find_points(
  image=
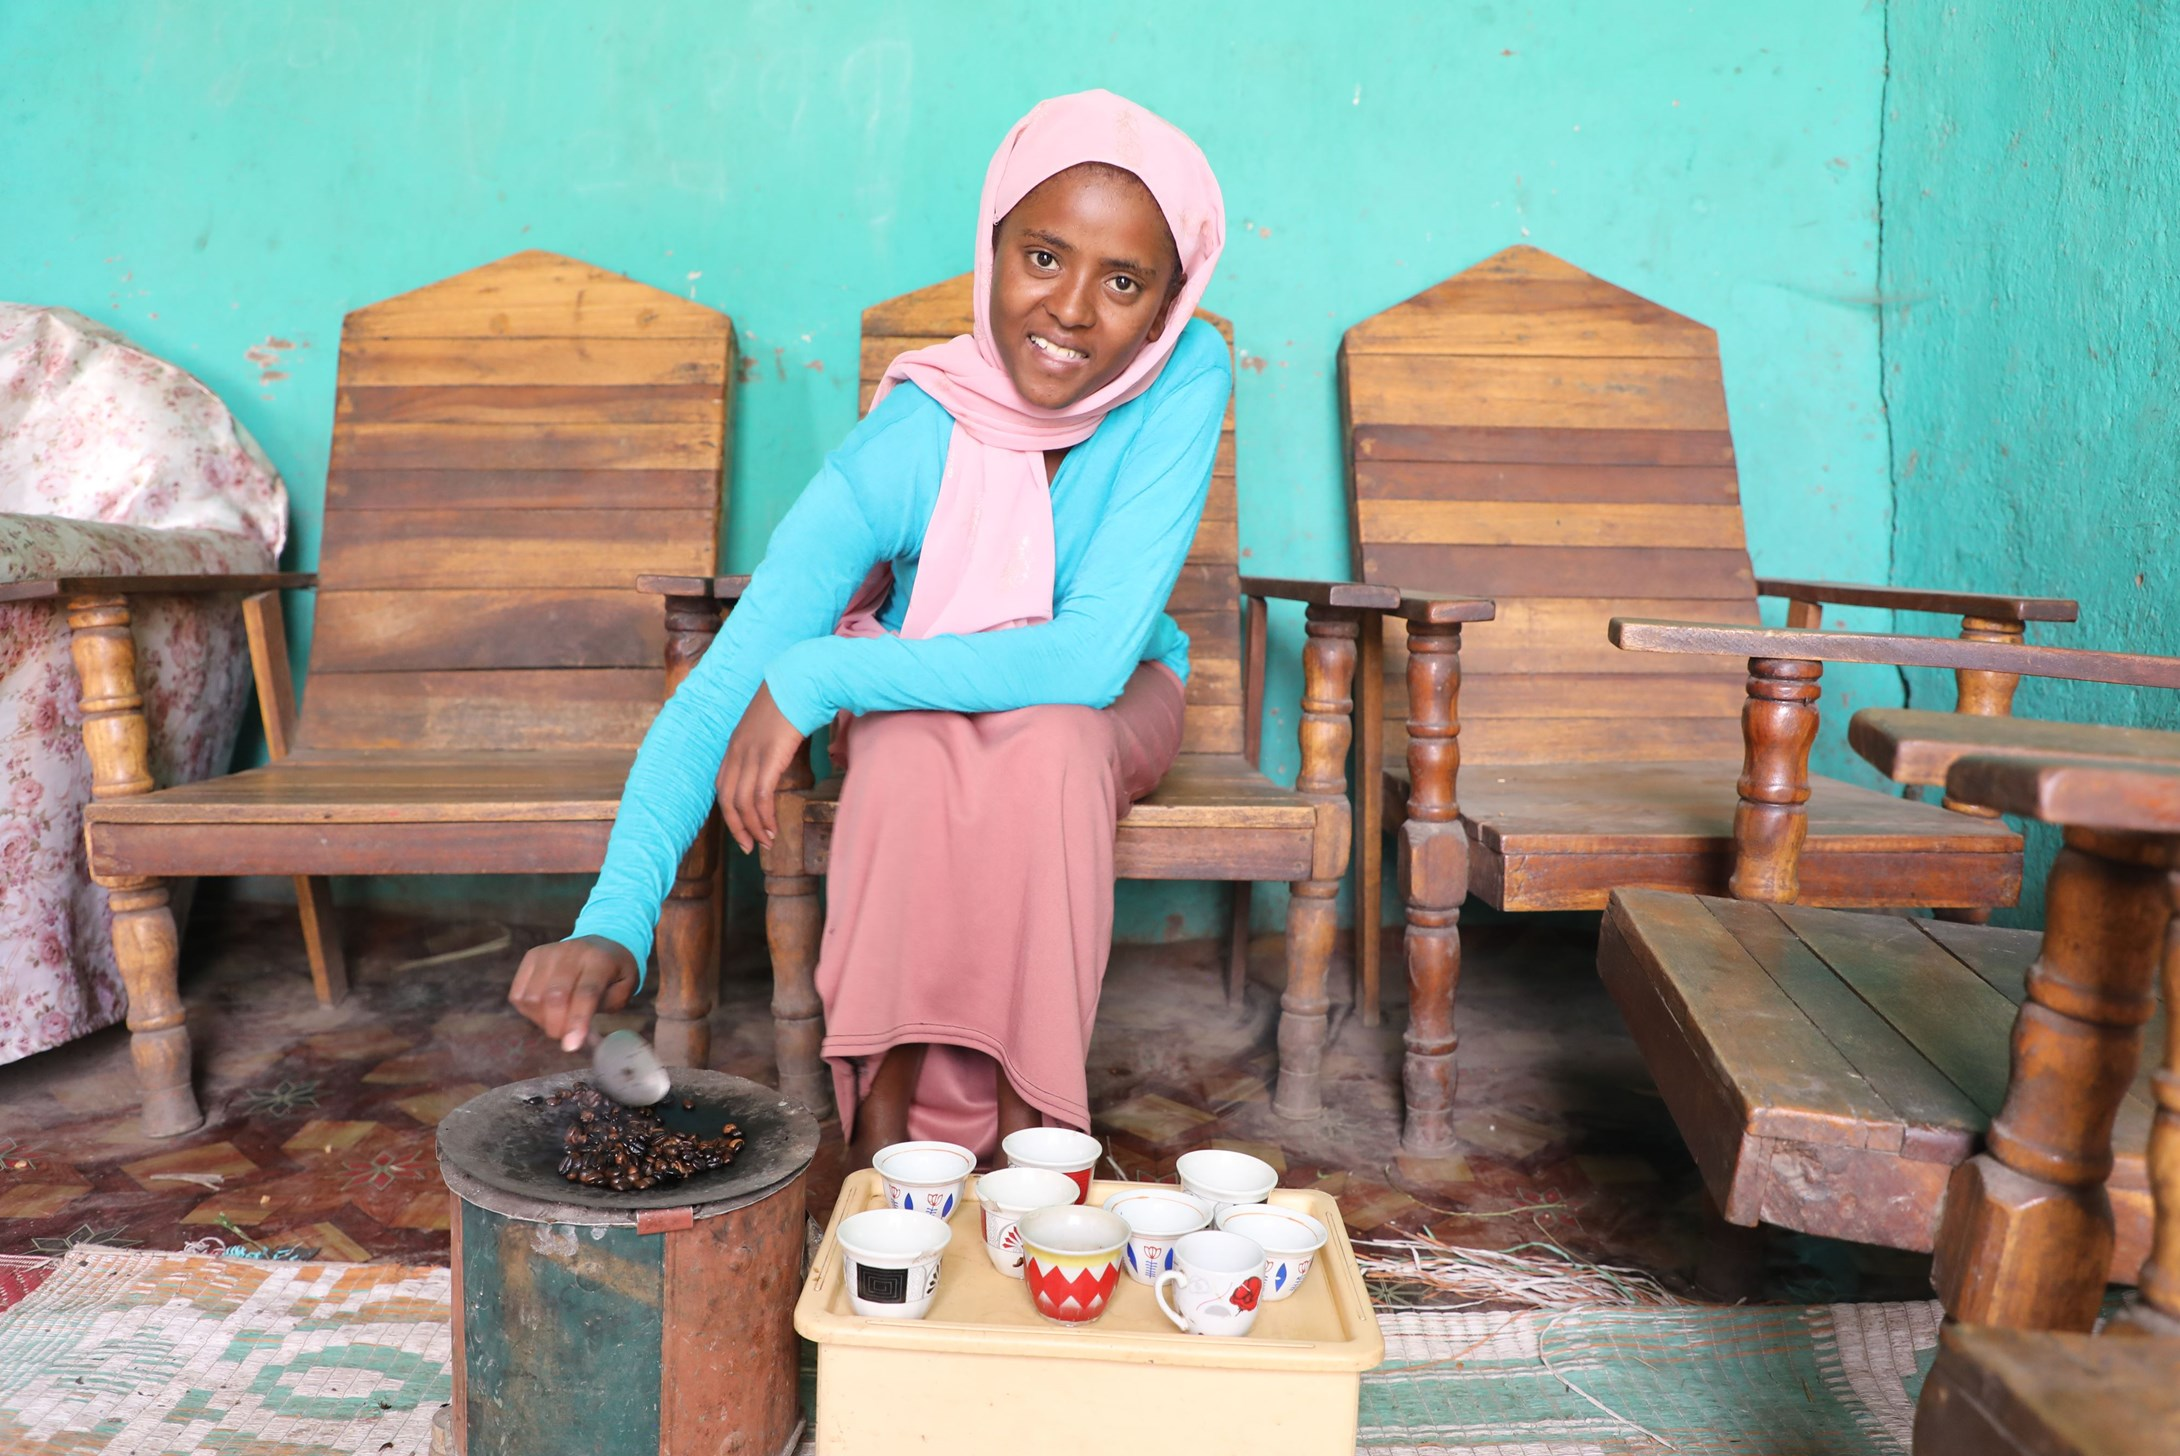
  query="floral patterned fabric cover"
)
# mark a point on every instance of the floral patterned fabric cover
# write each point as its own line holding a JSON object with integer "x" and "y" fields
{"x": 112, "y": 463}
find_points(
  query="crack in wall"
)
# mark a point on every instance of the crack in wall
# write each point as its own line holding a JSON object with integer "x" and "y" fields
{"x": 1884, "y": 363}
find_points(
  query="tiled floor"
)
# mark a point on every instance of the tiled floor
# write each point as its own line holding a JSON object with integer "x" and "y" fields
{"x": 319, "y": 1132}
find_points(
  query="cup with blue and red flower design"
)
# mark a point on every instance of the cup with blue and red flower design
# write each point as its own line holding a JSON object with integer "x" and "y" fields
{"x": 924, "y": 1177}
{"x": 1156, "y": 1218}
{"x": 1071, "y": 1259}
{"x": 1215, "y": 1284}
{"x": 1290, "y": 1238}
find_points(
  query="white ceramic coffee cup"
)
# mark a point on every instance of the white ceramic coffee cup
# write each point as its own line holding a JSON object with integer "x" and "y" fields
{"x": 1156, "y": 1217}
{"x": 1071, "y": 1260}
{"x": 892, "y": 1257}
{"x": 1289, "y": 1237}
{"x": 924, "y": 1177}
{"x": 1216, "y": 1283}
{"x": 1226, "y": 1177}
{"x": 1005, "y": 1195}
{"x": 1061, "y": 1149}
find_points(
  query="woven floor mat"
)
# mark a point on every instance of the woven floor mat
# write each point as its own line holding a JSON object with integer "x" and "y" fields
{"x": 139, "y": 1354}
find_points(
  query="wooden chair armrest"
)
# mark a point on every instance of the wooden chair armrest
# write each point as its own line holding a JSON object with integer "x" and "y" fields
{"x": 1351, "y": 594}
{"x": 1780, "y": 720}
{"x": 1809, "y": 644}
{"x": 1988, "y": 605}
{"x": 717, "y": 588}
{"x": 2086, "y": 793}
{"x": 1918, "y": 746}
{"x": 40, "y": 588}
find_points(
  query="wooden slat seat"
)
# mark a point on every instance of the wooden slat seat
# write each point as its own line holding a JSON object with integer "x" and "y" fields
{"x": 2001, "y": 1392}
{"x": 1564, "y": 836}
{"x": 319, "y": 813}
{"x": 1529, "y": 433}
{"x": 1271, "y": 830}
{"x": 1214, "y": 816}
{"x": 1830, "y": 1069}
{"x": 512, "y": 448}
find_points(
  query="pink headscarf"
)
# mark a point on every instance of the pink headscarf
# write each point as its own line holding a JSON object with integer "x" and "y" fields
{"x": 988, "y": 554}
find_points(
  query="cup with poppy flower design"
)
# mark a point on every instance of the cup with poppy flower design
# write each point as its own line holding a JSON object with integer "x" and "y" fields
{"x": 1005, "y": 1195}
{"x": 1071, "y": 1260}
{"x": 1290, "y": 1239}
{"x": 1156, "y": 1218}
{"x": 1062, "y": 1149}
{"x": 1215, "y": 1284}
{"x": 924, "y": 1177}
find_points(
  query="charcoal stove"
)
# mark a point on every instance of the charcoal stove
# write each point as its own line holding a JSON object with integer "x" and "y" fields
{"x": 657, "y": 1321}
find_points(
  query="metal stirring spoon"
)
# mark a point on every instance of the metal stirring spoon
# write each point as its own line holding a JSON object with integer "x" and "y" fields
{"x": 626, "y": 1069}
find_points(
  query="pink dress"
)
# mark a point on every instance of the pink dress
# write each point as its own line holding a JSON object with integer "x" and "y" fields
{"x": 970, "y": 899}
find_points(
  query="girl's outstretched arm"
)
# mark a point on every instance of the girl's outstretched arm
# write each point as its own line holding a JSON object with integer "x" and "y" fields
{"x": 819, "y": 554}
{"x": 1097, "y": 635}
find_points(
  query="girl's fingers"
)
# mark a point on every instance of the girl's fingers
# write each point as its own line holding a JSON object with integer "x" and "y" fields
{"x": 768, "y": 788}
{"x": 730, "y": 798}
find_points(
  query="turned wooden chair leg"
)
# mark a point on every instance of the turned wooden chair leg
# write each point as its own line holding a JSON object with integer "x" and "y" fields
{"x": 2026, "y": 1236}
{"x": 1433, "y": 871}
{"x": 688, "y": 930}
{"x": 1237, "y": 943}
{"x": 1778, "y": 723}
{"x": 794, "y": 925}
{"x": 1982, "y": 695}
{"x": 2158, "y": 1310}
{"x": 688, "y": 953}
{"x": 147, "y": 947}
{"x": 1328, "y": 681}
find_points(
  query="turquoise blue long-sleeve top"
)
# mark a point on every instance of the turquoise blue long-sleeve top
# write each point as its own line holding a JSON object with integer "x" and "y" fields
{"x": 1125, "y": 506}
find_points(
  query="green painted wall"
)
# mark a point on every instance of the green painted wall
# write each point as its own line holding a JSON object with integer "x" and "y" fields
{"x": 224, "y": 182}
{"x": 2031, "y": 338}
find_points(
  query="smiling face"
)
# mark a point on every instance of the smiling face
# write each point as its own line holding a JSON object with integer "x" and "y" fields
{"x": 1084, "y": 274}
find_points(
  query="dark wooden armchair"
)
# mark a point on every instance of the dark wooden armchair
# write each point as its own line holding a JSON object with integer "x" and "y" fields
{"x": 1836, "y": 1073}
{"x": 511, "y": 447}
{"x": 1529, "y": 433}
{"x": 1215, "y": 817}
{"x": 2024, "y": 1246}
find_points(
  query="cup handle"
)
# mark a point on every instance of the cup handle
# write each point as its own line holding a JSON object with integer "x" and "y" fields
{"x": 1158, "y": 1292}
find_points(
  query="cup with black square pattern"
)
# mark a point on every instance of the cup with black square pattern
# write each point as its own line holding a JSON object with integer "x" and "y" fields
{"x": 892, "y": 1257}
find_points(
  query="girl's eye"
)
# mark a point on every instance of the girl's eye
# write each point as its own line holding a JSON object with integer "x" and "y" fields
{"x": 1043, "y": 259}
{"x": 1127, "y": 285}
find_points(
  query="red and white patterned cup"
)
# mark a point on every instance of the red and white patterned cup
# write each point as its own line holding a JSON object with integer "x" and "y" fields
{"x": 1071, "y": 1260}
{"x": 1062, "y": 1149}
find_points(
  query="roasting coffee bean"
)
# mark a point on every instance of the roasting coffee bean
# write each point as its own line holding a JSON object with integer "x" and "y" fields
{"x": 629, "y": 1148}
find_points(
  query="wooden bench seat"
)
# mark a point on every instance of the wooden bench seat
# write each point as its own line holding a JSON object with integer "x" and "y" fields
{"x": 1265, "y": 831}
{"x": 481, "y": 812}
{"x": 512, "y": 448}
{"x": 1830, "y": 1069}
{"x": 1563, "y": 836}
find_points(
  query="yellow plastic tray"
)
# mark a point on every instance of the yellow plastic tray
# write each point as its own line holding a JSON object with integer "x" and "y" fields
{"x": 985, "y": 1373}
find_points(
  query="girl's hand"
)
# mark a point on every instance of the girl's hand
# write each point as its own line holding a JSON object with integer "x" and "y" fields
{"x": 762, "y": 747}
{"x": 561, "y": 985}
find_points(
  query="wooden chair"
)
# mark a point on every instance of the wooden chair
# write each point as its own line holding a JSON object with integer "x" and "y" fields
{"x": 1215, "y": 817}
{"x": 2010, "y": 1382}
{"x": 1834, "y": 1073}
{"x": 511, "y": 447}
{"x": 1531, "y": 434}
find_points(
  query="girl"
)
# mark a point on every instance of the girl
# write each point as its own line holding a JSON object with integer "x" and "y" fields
{"x": 982, "y": 569}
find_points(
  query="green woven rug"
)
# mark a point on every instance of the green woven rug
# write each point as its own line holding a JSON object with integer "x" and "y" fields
{"x": 135, "y": 1354}
{"x": 1821, "y": 1380}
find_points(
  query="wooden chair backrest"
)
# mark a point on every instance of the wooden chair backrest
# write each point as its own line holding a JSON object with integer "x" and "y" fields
{"x": 1205, "y": 601}
{"x": 1526, "y": 432}
{"x": 511, "y": 449}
